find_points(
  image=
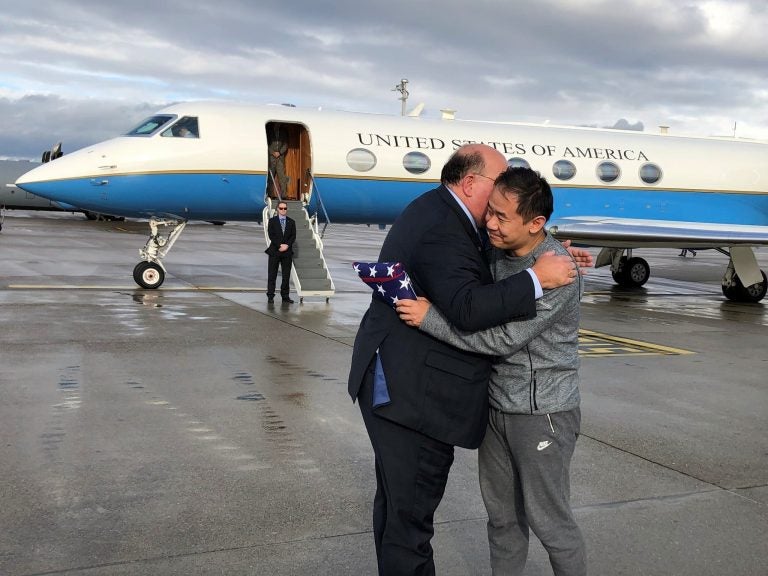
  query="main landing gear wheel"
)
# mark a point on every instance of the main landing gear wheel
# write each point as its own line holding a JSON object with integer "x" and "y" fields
{"x": 632, "y": 272}
{"x": 148, "y": 274}
{"x": 736, "y": 291}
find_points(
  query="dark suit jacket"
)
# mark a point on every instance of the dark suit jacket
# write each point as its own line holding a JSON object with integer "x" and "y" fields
{"x": 435, "y": 388}
{"x": 277, "y": 237}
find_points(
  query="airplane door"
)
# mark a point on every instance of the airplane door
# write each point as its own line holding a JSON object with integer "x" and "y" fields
{"x": 289, "y": 161}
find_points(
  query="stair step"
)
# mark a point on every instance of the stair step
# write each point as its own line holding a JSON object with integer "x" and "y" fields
{"x": 315, "y": 286}
{"x": 307, "y": 256}
{"x": 311, "y": 274}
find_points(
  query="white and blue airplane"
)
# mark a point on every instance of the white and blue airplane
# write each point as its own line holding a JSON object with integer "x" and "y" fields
{"x": 618, "y": 190}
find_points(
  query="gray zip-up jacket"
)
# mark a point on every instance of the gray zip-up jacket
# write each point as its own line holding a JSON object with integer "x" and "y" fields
{"x": 536, "y": 371}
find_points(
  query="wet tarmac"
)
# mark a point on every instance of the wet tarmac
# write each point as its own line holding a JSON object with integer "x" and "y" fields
{"x": 197, "y": 430}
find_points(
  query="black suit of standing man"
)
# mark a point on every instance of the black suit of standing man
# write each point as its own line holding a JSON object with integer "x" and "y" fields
{"x": 438, "y": 395}
{"x": 282, "y": 235}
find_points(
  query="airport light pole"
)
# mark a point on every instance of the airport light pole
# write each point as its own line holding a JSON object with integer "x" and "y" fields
{"x": 403, "y": 93}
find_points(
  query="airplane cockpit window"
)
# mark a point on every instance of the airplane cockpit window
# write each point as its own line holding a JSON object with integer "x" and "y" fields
{"x": 518, "y": 163}
{"x": 186, "y": 127}
{"x": 564, "y": 170}
{"x": 416, "y": 162}
{"x": 151, "y": 125}
{"x": 608, "y": 171}
{"x": 361, "y": 160}
{"x": 650, "y": 173}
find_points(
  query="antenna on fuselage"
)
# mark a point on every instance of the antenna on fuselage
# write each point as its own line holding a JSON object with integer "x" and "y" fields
{"x": 403, "y": 93}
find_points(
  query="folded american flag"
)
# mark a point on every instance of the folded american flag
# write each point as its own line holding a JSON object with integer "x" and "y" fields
{"x": 388, "y": 280}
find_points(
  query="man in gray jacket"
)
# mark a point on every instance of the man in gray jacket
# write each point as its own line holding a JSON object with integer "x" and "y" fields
{"x": 534, "y": 416}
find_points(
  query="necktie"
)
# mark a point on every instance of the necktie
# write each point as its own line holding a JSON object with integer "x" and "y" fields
{"x": 282, "y": 224}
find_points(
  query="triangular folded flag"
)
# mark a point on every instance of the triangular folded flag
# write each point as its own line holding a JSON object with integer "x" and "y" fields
{"x": 388, "y": 280}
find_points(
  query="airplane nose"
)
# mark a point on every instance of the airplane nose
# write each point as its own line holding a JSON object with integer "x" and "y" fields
{"x": 35, "y": 180}
{"x": 23, "y": 181}
{"x": 26, "y": 178}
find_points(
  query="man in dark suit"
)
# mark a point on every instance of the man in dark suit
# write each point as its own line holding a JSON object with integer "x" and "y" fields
{"x": 282, "y": 235}
{"x": 418, "y": 396}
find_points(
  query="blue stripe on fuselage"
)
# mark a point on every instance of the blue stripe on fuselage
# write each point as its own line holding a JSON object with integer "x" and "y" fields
{"x": 194, "y": 196}
{"x": 660, "y": 204}
{"x": 357, "y": 201}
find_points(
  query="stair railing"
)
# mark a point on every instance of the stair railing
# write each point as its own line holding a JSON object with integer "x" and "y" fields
{"x": 320, "y": 203}
{"x": 275, "y": 186}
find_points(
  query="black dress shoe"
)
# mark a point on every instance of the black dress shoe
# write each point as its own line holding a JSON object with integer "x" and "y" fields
{"x": 270, "y": 299}
{"x": 287, "y": 301}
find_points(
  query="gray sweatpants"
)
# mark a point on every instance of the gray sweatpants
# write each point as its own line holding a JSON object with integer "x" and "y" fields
{"x": 524, "y": 464}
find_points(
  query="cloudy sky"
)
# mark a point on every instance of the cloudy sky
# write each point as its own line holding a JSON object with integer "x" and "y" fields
{"x": 81, "y": 71}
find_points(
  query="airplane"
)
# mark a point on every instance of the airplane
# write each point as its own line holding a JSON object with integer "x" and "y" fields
{"x": 616, "y": 190}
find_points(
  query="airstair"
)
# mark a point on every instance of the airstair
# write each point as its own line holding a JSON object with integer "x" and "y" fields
{"x": 310, "y": 273}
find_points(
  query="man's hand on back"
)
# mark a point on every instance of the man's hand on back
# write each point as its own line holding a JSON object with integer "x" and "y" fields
{"x": 583, "y": 258}
{"x": 553, "y": 271}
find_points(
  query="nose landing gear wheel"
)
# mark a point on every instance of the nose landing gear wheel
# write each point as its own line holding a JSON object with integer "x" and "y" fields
{"x": 148, "y": 275}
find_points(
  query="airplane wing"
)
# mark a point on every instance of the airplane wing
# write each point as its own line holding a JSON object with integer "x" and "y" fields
{"x": 636, "y": 233}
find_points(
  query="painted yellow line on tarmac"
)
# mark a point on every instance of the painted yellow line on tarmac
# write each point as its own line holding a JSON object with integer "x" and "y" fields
{"x": 592, "y": 344}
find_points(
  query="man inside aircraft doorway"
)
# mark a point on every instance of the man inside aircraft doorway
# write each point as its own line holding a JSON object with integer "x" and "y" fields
{"x": 278, "y": 179}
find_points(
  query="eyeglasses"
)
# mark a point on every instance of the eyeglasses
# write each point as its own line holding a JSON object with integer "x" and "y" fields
{"x": 282, "y": 207}
{"x": 484, "y": 176}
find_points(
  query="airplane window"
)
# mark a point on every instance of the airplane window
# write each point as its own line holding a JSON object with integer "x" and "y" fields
{"x": 518, "y": 163}
{"x": 151, "y": 125}
{"x": 564, "y": 170}
{"x": 184, "y": 128}
{"x": 416, "y": 162}
{"x": 361, "y": 160}
{"x": 650, "y": 173}
{"x": 608, "y": 171}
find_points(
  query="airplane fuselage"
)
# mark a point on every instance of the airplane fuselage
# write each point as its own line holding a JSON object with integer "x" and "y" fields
{"x": 222, "y": 175}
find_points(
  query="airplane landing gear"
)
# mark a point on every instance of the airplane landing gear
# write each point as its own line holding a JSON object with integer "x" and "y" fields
{"x": 735, "y": 291}
{"x": 628, "y": 271}
{"x": 631, "y": 272}
{"x": 743, "y": 269}
{"x": 150, "y": 272}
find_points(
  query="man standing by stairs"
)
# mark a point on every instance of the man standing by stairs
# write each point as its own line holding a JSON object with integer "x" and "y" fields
{"x": 282, "y": 234}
